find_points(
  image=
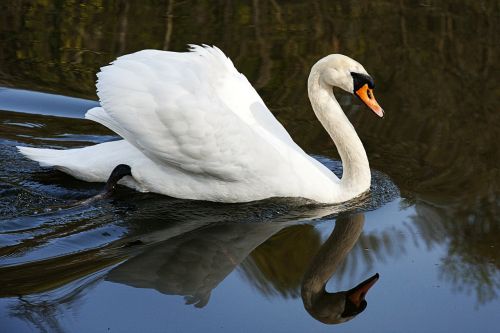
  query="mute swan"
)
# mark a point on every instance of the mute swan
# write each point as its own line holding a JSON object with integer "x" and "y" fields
{"x": 193, "y": 127}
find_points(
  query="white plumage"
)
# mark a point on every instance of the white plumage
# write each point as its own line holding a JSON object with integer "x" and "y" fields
{"x": 193, "y": 127}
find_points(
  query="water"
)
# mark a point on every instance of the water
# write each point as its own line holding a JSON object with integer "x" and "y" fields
{"x": 429, "y": 227}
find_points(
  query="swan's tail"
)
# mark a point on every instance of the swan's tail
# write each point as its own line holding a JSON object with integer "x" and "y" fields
{"x": 69, "y": 161}
{"x": 92, "y": 163}
{"x": 46, "y": 157}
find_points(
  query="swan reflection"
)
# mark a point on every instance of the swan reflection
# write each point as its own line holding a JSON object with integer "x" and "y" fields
{"x": 193, "y": 263}
{"x": 183, "y": 248}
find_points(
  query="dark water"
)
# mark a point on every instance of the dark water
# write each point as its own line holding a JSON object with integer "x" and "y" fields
{"x": 142, "y": 262}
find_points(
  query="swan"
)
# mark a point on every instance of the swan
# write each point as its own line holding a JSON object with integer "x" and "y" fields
{"x": 193, "y": 127}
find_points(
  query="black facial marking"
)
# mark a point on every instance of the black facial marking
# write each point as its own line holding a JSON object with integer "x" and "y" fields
{"x": 351, "y": 309}
{"x": 362, "y": 79}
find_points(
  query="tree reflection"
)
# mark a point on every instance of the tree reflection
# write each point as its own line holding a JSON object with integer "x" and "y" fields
{"x": 277, "y": 267}
{"x": 472, "y": 264}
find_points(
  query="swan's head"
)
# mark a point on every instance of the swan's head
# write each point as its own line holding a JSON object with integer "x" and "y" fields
{"x": 339, "y": 307}
{"x": 338, "y": 70}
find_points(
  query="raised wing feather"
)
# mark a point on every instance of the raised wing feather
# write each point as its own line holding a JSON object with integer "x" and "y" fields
{"x": 193, "y": 111}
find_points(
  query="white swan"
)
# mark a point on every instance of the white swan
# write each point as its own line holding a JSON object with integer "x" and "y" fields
{"x": 193, "y": 127}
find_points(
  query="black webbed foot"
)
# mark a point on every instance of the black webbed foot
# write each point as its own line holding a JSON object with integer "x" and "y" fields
{"x": 120, "y": 171}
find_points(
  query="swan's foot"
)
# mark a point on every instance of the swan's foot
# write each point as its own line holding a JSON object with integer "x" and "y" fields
{"x": 120, "y": 171}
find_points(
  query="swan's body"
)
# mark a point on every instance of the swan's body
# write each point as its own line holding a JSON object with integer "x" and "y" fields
{"x": 193, "y": 127}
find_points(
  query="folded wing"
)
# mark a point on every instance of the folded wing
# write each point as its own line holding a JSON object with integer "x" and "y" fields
{"x": 193, "y": 111}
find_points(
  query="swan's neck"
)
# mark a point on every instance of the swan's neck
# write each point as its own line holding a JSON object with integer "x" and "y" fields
{"x": 356, "y": 170}
{"x": 330, "y": 256}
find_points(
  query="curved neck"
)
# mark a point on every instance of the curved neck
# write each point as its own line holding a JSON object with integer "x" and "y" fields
{"x": 331, "y": 254}
{"x": 356, "y": 170}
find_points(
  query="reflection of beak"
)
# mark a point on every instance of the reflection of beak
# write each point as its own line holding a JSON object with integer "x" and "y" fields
{"x": 357, "y": 294}
{"x": 366, "y": 95}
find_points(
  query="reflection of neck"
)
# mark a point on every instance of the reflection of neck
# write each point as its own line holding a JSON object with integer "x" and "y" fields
{"x": 331, "y": 254}
{"x": 356, "y": 170}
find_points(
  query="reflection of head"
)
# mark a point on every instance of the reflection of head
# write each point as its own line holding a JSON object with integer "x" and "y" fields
{"x": 339, "y": 307}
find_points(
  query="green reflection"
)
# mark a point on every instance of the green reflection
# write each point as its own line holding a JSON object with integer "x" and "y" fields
{"x": 278, "y": 265}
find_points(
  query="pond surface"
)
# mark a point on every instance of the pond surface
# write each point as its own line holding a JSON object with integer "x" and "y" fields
{"x": 143, "y": 262}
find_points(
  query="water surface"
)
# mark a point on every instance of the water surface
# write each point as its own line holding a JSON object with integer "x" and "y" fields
{"x": 143, "y": 262}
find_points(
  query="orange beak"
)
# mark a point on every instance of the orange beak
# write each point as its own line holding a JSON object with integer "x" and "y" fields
{"x": 357, "y": 294}
{"x": 366, "y": 95}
